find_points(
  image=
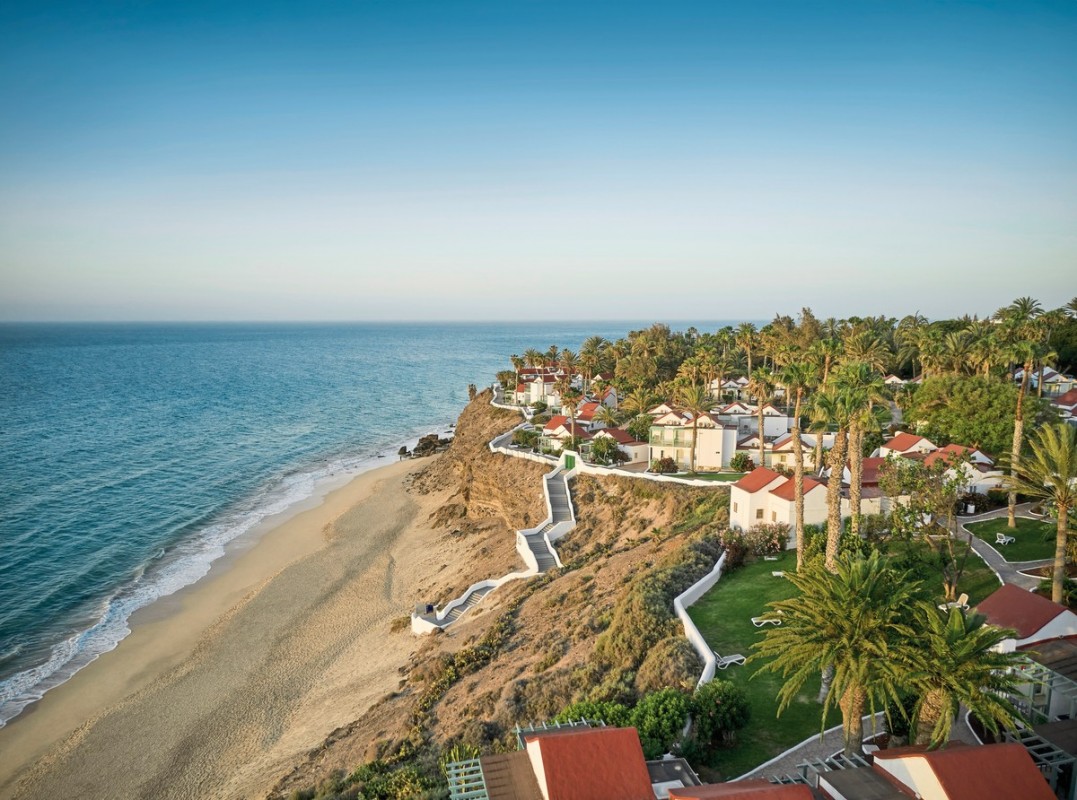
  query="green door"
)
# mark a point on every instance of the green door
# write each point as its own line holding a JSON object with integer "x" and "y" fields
{"x": 570, "y": 462}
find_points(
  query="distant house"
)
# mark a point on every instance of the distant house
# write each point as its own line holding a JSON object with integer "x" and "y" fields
{"x": 782, "y": 449}
{"x": 905, "y": 444}
{"x": 893, "y": 380}
{"x": 1066, "y": 405}
{"x": 1055, "y": 383}
{"x": 559, "y": 430}
{"x": 637, "y": 452}
{"x": 1033, "y": 617}
{"x": 980, "y": 473}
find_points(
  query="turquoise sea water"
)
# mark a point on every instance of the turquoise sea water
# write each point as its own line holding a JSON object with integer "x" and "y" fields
{"x": 132, "y": 454}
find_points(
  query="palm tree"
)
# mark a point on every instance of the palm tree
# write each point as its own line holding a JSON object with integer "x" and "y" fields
{"x": 638, "y": 401}
{"x": 797, "y": 378}
{"x": 761, "y": 387}
{"x": 1025, "y": 353}
{"x": 864, "y": 388}
{"x": 959, "y": 665}
{"x": 852, "y": 622}
{"x": 746, "y": 340}
{"x": 830, "y": 407}
{"x": 1050, "y": 474}
{"x": 570, "y": 399}
{"x": 868, "y": 348}
{"x": 696, "y": 400}
{"x": 610, "y": 417}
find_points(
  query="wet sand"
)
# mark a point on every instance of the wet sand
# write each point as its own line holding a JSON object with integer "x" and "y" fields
{"x": 218, "y": 689}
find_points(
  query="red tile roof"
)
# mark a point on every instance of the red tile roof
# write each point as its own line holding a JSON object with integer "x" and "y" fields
{"x": 1067, "y": 399}
{"x": 871, "y": 466}
{"x": 743, "y": 790}
{"x": 1026, "y": 612}
{"x": 951, "y": 453}
{"x": 587, "y": 411}
{"x": 757, "y": 479}
{"x": 593, "y": 764}
{"x": 973, "y": 773}
{"x": 787, "y": 490}
{"x": 556, "y": 421}
{"x": 618, "y": 435}
{"x": 903, "y": 442}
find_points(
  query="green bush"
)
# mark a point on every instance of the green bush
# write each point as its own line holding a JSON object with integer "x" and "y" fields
{"x": 538, "y": 407}
{"x": 659, "y": 718}
{"x": 664, "y": 466}
{"x": 766, "y": 538}
{"x": 736, "y": 549}
{"x": 525, "y": 437}
{"x": 719, "y": 710}
{"x": 640, "y": 427}
{"x": 615, "y": 714}
{"x": 741, "y": 462}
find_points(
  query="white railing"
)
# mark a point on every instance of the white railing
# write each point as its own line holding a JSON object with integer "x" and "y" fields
{"x": 680, "y": 606}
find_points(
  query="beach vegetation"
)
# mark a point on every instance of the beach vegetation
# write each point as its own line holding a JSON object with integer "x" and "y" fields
{"x": 719, "y": 708}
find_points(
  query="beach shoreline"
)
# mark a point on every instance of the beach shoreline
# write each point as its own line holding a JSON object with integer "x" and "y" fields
{"x": 177, "y": 636}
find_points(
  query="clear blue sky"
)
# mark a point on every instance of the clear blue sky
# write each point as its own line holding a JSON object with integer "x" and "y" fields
{"x": 496, "y": 160}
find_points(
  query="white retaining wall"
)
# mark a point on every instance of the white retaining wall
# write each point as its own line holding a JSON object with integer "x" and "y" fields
{"x": 680, "y": 605}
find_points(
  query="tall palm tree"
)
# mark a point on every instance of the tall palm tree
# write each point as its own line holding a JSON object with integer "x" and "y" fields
{"x": 610, "y": 417}
{"x": 863, "y": 387}
{"x": 869, "y": 349}
{"x": 570, "y": 399}
{"x": 1024, "y": 352}
{"x": 959, "y": 666}
{"x": 830, "y": 408}
{"x": 797, "y": 378}
{"x": 761, "y": 387}
{"x": 1050, "y": 474}
{"x": 852, "y": 622}
{"x": 638, "y": 401}
{"x": 746, "y": 339}
{"x": 695, "y": 399}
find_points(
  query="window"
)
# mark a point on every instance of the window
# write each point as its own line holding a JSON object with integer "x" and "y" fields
{"x": 773, "y": 516}
{"x": 734, "y": 507}
{"x": 759, "y": 513}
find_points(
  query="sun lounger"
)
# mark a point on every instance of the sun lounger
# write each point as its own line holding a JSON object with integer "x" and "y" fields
{"x": 778, "y": 573}
{"x": 770, "y": 558}
{"x": 961, "y": 602}
{"x": 1001, "y": 538}
{"x": 725, "y": 661}
{"x": 759, "y": 622}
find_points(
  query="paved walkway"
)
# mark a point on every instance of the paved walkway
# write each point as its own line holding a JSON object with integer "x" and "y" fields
{"x": 1007, "y": 571}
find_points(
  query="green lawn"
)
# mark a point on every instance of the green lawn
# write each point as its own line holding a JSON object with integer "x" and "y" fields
{"x": 1035, "y": 539}
{"x": 724, "y": 617}
{"x": 711, "y": 476}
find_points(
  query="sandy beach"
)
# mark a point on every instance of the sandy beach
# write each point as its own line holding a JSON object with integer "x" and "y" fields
{"x": 220, "y": 687}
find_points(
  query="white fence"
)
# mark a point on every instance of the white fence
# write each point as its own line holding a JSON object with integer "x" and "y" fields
{"x": 680, "y": 605}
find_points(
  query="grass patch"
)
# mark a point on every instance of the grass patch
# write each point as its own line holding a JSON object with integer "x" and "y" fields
{"x": 724, "y": 617}
{"x": 712, "y": 476}
{"x": 1034, "y": 539}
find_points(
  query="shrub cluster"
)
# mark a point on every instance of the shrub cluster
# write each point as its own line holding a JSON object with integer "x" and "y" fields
{"x": 766, "y": 538}
{"x": 741, "y": 462}
{"x": 664, "y": 466}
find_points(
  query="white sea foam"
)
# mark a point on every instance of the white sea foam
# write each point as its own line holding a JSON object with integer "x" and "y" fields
{"x": 169, "y": 571}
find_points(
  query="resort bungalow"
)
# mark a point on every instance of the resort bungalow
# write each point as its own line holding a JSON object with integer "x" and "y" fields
{"x": 956, "y": 772}
{"x": 905, "y": 444}
{"x": 764, "y": 495}
{"x": 636, "y": 452}
{"x": 672, "y": 436}
{"x": 1055, "y": 383}
{"x": 893, "y": 380}
{"x": 979, "y": 472}
{"x": 559, "y": 430}
{"x": 1033, "y": 617}
{"x": 1066, "y": 405}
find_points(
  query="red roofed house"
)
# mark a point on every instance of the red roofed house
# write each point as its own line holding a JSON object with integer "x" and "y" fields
{"x": 743, "y": 790}
{"x": 586, "y": 414}
{"x": 1035, "y": 618}
{"x": 1066, "y": 404}
{"x": 979, "y": 473}
{"x": 766, "y": 496}
{"x": 963, "y": 772}
{"x": 590, "y": 764}
{"x": 560, "y": 428}
{"x": 905, "y": 444}
{"x": 637, "y": 452}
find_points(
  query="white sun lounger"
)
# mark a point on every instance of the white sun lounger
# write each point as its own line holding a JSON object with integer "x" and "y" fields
{"x": 778, "y": 573}
{"x": 725, "y": 661}
{"x": 1001, "y": 538}
{"x": 759, "y": 622}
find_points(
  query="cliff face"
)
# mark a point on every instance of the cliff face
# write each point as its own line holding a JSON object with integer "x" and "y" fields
{"x": 529, "y": 648}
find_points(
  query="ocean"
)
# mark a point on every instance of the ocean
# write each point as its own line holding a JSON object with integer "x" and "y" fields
{"x": 132, "y": 454}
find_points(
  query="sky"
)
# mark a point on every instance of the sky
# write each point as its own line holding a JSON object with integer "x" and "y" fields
{"x": 519, "y": 160}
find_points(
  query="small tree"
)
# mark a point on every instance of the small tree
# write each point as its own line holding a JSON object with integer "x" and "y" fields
{"x": 659, "y": 718}
{"x": 605, "y": 450}
{"x": 741, "y": 462}
{"x": 640, "y": 427}
{"x": 719, "y": 710}
{"x": 664, "y": 466}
